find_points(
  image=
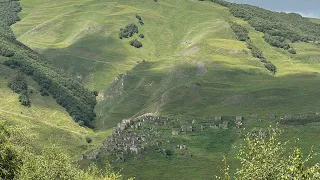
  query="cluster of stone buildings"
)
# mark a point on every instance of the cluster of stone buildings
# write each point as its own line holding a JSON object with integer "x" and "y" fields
{"x": 218, "y": 123}
{"x": 131, "y": 137}
{"x": 134, "y": 136}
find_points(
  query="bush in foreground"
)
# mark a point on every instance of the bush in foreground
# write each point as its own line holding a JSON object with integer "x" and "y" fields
{"x": 265, "y": 157}
{"x": 19, "y": 161}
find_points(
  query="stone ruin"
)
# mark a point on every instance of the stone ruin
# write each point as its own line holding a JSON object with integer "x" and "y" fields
{"x": 299, "y": 116}
{"x": 134, "y": 136}
{"x": 219, "y": 122}
{"x": 128, "y": 138}
{"x": 238, "y": 121}
{"x": 186, "y": 128}
{"x": 272, "y": 116}
{"x": 181, "y": 146}
{"x": 224, "y": 125}
{"x": 175, "y": 132}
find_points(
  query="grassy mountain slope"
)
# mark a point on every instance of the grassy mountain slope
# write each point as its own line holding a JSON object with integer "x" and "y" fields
{"x": 89, "y": 48}
{"x": 190, "y": 67}
{"x": 315, "y": 20}
{"x": 45, "y": 122}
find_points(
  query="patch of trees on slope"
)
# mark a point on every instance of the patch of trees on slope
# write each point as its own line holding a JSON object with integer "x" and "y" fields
{"x": 9, "y": 10}
{"x": 129, "y": 32}
{"x": 242, "y": 34}
{"x": 78, "y": 101}
{"x": 279, "y": 28}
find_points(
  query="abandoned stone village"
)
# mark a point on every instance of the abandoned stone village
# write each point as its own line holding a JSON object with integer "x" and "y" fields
{"x": 133, "y": 137}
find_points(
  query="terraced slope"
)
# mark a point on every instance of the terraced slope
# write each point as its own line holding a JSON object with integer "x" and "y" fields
{"x": 190, "y": 67}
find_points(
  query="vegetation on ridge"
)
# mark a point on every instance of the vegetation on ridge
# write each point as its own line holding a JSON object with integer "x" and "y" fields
{"x": 9, "y": 10}
{"x": 279, "y": 29}
{"x": 19, "y": 85}
{"x": 241, "y": 34}
{"x": 77, "y": 100}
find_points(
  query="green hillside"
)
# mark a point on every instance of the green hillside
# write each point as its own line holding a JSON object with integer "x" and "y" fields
{"x": 315, "y": 20}
{"x": 44, "y": 121}
{"x": 90, "y": 50}
{"x": 190, "y": 67}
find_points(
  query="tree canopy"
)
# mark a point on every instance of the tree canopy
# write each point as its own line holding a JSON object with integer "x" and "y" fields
{"x": 264, "y": 156}
{"x": 18, "y": 160}
{"x": 279, "y": 28}
{"x": 78, "y": 101}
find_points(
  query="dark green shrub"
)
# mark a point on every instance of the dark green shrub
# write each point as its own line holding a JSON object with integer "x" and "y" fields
{"x": 286, "y": 47}
{"x": 141, "y": 22}
{"x": 256, "y": 52}
{"x": 276, "y": 41}
{"x": 141, "y": 36}
{"x": 128, "y": 31}
{"x": 271, "y": 67}
{"x": 24, "y": 99}
{"x": 10, "y": 159}
{"x": 89, "y": 140}
{"x": 135, "y": 43}
{"x": 44, "y": 91}
{"x": 138, "y": 17}
{"x": 240, "y": 32}
{"x": 264, "y": 60}
{"x": 18, "y": 83}
{"x": 4, "y": 51}
{"x": 95, "y": 93}
{"x": 168, "y": 152}
{"x": 292, "y": 51}
{"x": 30, "y": 91}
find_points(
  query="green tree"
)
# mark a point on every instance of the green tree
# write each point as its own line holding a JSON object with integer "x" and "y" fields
{"x": 18, "y": 83}
{"x": 128, "y": 31}
{"x": 241, "y": 33}
{"x": 19, "y": 161}
{"x": 135, "y": 43}
{"x": 10, "y": 160}
{"x": 292, "y": 51}
{"x": 271, "y": 67}
{"x": 53, "y": 164}
{"x": 24, "y": 99}
{"x": 265, "y": 157}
